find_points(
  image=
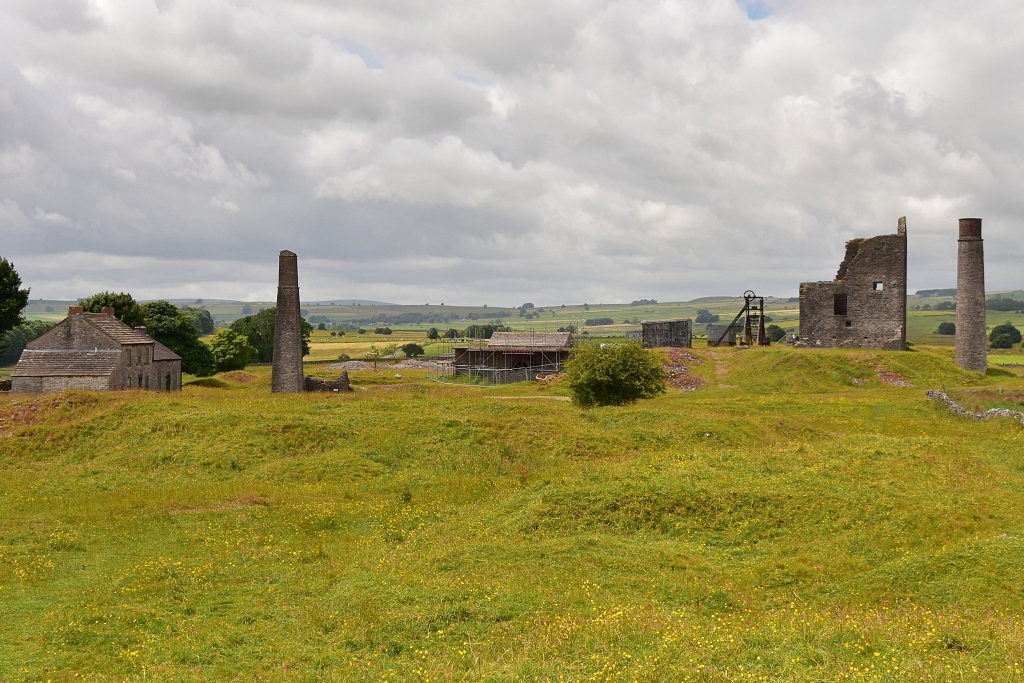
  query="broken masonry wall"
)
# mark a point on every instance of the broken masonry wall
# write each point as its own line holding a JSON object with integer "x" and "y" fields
{"x": 866, "y": 305}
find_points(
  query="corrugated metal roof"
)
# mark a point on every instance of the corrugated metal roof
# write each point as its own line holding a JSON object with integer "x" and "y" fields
{"x": 161, "y": 352}
{"x": 47, "y": 363}
{"x": 530, "y": 339}
{"x": 115, "y": 329}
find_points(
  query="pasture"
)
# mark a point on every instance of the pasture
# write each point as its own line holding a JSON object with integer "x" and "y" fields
{"x": 796, "y": 518}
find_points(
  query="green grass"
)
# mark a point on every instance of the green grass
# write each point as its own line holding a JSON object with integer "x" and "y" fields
{"x": 795, "y": 519}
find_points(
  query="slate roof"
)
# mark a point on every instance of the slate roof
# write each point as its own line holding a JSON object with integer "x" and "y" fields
{"x": 115, "y": 329}
{"x": 161, "y": 352}
{"x": 47, "y": 363}
{"x": 539, "y": 340}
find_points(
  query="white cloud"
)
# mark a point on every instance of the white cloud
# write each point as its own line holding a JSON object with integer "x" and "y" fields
{"x": 221, "y": 203}
{"x": 50, "y": 217}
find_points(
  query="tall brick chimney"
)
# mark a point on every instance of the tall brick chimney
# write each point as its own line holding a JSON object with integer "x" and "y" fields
{"x": 286, "y": 375}
{"x": 971, "y": 353}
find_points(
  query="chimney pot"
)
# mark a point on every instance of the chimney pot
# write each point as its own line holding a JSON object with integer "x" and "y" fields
{"x": 75, "y": 310}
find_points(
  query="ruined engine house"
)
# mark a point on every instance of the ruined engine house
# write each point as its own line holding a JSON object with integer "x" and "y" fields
{"x": 866, "y": 305}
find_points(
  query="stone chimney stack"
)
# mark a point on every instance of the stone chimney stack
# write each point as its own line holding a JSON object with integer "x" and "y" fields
{"x": 286, "y": 377}
{"x": 971, "y": 353}
{"x": 109, "y": 310}
{"x": 75, "y": 310}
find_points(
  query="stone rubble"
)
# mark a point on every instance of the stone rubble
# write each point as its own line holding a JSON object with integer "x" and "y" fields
{"x": 955, "y": 407}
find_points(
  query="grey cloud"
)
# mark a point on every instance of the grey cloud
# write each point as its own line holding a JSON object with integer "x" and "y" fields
{"x": 601, "y": 150}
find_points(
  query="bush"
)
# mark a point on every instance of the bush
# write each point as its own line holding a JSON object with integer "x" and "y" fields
{"x": 382, "y": 330}
{"x": 945, "y": 306}
{"x": 946, "y": 328}
{"x": 412, "y": 350}
{"x": 432, "y": 333}
{"x": 613, "y": 374}
{"x": 704, "y": 316}
{"x": 231, "y": 351}
{"x": 594, "y": 322}
{"x": 1001, "y": 341}
{"x": 361, "y": 331}
{"x": 775, "y": 333}
{"x": 1005, "y": 330}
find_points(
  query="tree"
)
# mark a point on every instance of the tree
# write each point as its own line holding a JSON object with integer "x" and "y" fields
{"x": 166, "y": 323}
{"x": 377, "y": 352}
{"x": 201, "y": 319}
{"x": 945, "y": 306}
{"x": 259, "y": 330}
{"x": 613, "y": 374}
{"x": 14, "y": 342}
{"x": 13, "y": 300}
{"x": 1004, "y": 336}
{"x": 704, "y": 316}
{"x": 126, "y": 309}
{"x": 246, "y": 309}
{"x": 775, "y": 333}
{"x": 231, "y": 351}
{"x": 412, "y": 350}
{"x": 322, "y": 326}
{"x": 432, "y": 333}
{"x": 946, "y": 328}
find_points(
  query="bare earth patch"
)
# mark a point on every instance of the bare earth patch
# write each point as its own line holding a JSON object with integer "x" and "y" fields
{"x": 892, "y": 378}
{"x": 678, "y": 370}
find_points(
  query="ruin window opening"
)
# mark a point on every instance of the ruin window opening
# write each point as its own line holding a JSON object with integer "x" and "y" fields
{"x": 849, "y": 323}
{"x": 147, "y": 381}
{"x": 878, "y": 286}
{"x": 167, "y": 383}
{"x": 839, "y": 304}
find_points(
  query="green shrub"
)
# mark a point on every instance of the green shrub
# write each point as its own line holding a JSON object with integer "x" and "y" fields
{"x": 946, "y": 328}
{"x": 231, "y": 351}
{"x": 613, "y": 374}
{"x": 775, "y": 333}
{"x": 1012, "y": 336}
{"x": 412, "y": 350}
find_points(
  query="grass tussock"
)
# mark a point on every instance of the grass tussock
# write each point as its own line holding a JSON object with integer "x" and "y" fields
{"x": 796, "y": 518}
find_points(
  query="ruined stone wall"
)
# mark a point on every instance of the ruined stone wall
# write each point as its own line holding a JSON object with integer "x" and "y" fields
{"x": 971, "y": 353}
{"x": 866, "y": 305}
{"x": 338, "y": 385}
{"x": 286, "y": 376}
{"x": 675, "y": 333}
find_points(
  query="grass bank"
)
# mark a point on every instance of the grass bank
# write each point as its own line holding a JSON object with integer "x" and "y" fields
{"x": 805, "y": 515}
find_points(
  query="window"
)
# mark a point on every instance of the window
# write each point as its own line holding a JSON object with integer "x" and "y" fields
{"x": 849, "y": 323}
{"x": 145, "y": 355}
{"x": 140, "y": 381}
{"x": 878, "y": 286}
{"x": 839, "y": 304}
{"x": 147, "y": 381}
{"x": 167, "y": 383}
{"x": 128, "y": 356}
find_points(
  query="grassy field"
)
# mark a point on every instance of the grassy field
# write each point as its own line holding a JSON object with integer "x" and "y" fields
{"x": 793, "y": 519}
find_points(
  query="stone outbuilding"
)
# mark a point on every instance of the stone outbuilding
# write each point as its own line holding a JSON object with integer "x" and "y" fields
{"x": 866, "y": 305}
{"x": 98, "y": 352}
{"x": 676, "y": 333}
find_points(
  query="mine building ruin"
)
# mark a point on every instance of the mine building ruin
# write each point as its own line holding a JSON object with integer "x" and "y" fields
{"x": 512, "y": 357}
{"x": 866, "y": 305}
{"x": 97, "y": 352}
{"x": 675, "y": 333}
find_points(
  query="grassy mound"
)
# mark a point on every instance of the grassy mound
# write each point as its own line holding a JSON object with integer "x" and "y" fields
{"x": 805, "y": 515}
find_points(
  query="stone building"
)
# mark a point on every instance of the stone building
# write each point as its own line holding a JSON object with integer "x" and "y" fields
{"x": 95, "y": 351}
{"x": 286, "y": 374}
{"x": 971, "y": 352}
{"x": 677, "y": 333}
{"x": 866, "y": 305}
{"x": 723, "y": 334}
{"x": 513, "y": 356}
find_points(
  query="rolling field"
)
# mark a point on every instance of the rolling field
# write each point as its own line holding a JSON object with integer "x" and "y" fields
{"x": 793, "y": 519}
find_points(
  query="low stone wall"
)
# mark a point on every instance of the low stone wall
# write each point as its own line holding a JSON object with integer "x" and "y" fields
{"x": 955, "y": 407}
{"x": 339, "y": 385}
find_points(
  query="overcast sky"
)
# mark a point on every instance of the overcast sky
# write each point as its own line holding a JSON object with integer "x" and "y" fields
{"x": 502, "y": 151}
